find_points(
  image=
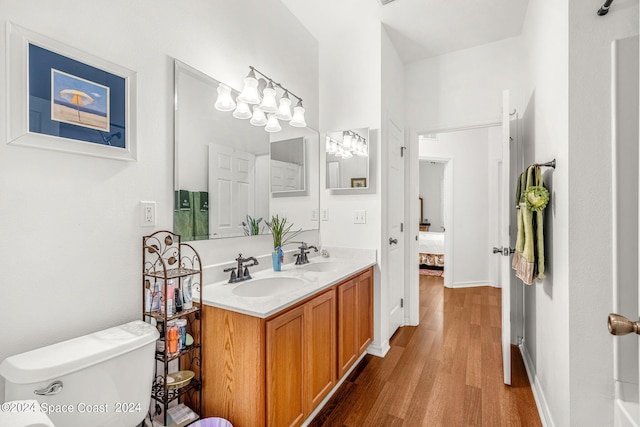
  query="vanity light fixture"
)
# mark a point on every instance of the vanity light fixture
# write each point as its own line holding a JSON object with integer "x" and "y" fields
{"x": 224, "y": 102}
{"x": 259, "y": 96}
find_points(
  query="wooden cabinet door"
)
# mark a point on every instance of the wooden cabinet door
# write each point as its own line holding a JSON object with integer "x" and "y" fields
{"x": 286, "y": 358}
{"x": 347, "y": 325}
{"x": 365, "y": 310}
{"x": 320, "y": 315}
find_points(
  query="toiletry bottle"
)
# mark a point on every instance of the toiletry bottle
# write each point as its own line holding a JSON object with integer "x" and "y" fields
{"x": 173, "y": 339}
{"x": 178, "y": 300}
{"x": 186, "y": 294}
{"x": 170, "y": 296}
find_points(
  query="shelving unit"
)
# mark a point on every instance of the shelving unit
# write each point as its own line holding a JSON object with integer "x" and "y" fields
{"x": 168, "y": 263}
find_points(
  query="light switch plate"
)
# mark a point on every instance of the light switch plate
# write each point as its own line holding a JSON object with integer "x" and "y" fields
{"x": 314, "y": 214}
{"x": 147, "y": 214}
{"x": 360, "y": 217}
{"x": 324, "y": 214}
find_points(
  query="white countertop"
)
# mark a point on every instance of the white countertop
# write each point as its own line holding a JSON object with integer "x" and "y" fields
{"x": 344, "y": 263}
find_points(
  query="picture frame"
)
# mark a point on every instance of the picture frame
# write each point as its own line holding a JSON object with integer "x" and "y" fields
{"x": 358, "y": 182}
{"x": 61, "y": 98}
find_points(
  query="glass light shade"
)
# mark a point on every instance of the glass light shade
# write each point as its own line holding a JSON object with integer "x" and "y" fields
{"x": 327, "y": 145}
{"x": 242, "y": 110}
{"x": 268, "y": 104}
{"x": 284, "y": 109}
{"x": 346, "y": 140}
{"x": 334, "y": 147}
{"x": 224, "y": 102}
{"x": 272, "y": 124}
{"x": 249, "y": 94}
{"x": 347, "y": 155}
{"x": 258, "y": 118}
{"x": 298, "y": 116}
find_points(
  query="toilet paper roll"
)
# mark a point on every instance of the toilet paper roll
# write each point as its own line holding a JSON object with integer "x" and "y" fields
{"x": 23, "y": 413}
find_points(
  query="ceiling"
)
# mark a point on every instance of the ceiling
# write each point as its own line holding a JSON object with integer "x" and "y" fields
{"x": 419, "y": 28}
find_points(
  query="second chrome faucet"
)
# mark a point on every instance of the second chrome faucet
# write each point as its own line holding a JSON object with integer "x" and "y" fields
{"x": 240, "y": 273}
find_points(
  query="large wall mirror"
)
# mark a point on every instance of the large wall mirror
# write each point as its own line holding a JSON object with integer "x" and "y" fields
{"x": 229, "y": 172}
{"x": 348, "y": 154}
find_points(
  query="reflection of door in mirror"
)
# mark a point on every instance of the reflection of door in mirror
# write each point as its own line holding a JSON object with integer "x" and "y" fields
{"x": 288, "y": 165}
{"x": 231, "y": 184}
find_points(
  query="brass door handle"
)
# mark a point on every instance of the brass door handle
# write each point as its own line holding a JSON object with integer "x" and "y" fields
{"x": 620, "y": 325}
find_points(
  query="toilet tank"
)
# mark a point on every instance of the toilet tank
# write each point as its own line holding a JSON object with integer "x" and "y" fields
{"x": 106, "y": 377}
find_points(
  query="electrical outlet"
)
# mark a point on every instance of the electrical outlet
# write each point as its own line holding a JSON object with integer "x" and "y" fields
{"x": 359, "y": 217}
{"x": 324, "y": 214}
{"x": 147, "y": 214}
{"x": 314, "y": 214}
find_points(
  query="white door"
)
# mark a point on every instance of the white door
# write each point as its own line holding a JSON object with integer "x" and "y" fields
{"x": 505, "y": 263}
{"x": 395, "y": 218}
{"x": 231, "y": 188}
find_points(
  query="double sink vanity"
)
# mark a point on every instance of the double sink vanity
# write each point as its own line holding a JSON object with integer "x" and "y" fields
{"x": 279, "y": 343}
{"x": 275, "y": 345}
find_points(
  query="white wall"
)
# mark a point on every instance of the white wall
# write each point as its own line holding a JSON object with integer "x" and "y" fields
{"x": 545, "y": 131}
{"x": 464, "y": 87}
{"x": 471, "y": 189}
{"x": 589, "y": 149}
{"x": 431, "y": 186}
{"x": 70, "y": 223}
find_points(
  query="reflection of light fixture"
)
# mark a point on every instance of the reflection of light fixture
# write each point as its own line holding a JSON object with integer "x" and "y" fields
{"x": 268, "y": 104}
{"x": 351, "y": 144}
{"x": 249, "y": 93}
{"x": 272, "y": 124}
{"x": 258, "y": 118}
{"x": 242, "y": 110}
{"x": 225, "y": 101}
{"x": 262, "y": 94}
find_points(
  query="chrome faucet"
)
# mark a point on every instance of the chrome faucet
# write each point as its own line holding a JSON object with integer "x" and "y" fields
{"x": 240, "y": 273}
{"x": 301, "y": 257}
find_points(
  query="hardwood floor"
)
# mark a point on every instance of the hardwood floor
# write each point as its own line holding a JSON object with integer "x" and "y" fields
{"x": 445, "y": 372}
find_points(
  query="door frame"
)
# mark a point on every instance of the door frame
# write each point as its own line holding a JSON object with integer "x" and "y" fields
{"x": 412, "y": 168}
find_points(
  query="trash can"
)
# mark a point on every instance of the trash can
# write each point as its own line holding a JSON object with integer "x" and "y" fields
{"x": 212, "y": 422}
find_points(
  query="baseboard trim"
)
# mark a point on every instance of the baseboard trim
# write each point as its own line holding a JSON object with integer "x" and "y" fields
{"x": 332, "y": 392}
{"x": 378, "y": 350}
{"x": 474, "y": 284}
{"x": 538, "y": 394}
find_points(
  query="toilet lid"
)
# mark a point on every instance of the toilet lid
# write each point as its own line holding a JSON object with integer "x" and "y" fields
{"x": 60, "y": 359}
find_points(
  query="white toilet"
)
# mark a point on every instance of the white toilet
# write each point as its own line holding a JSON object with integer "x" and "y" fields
{"x": 100, "y": 379}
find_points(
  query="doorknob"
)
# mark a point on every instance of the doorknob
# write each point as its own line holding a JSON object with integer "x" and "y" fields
{"x": 620, "y": 325}
{"x": 504, "y": 251}
{"x": 393, "y": 241}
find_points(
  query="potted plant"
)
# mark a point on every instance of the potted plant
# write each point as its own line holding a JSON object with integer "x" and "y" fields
{"x": 252, "y": 226}
{"x": 281, "y": 233}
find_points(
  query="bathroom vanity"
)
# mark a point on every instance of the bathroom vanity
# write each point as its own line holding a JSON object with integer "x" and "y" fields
{"x": 271, "y": 360}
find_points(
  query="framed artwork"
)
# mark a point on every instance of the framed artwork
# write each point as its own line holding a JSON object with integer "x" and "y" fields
{"x": 358, "y": 182}
{"x": 61, "y": 98}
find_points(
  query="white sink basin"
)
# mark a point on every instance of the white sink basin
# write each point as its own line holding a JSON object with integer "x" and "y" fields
{"x": 322, "y": 267}
{"x": 267, "y": 287}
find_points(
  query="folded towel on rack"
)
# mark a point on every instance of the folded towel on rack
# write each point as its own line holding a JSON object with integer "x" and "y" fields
{"x": 528, "y": 261}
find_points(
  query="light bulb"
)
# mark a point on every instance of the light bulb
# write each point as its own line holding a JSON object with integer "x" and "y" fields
{"x": 284, "y": 109}
{"x": 224, "y": 102}
{"x": 258, "y": 118}
{"x": 298, "y": 116}
{"x": 268, "y": 104}
{"x": 346, "y": 140}
{"x": 242, "y": 110}
{"x": 272, "y": 124}
{"x": 249, "y": 94}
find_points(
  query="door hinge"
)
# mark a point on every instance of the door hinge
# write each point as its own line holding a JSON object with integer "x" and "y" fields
{"x": 402, "y": 227}
{"x": 401, "y": 302}
{"x": 402, "y": 151}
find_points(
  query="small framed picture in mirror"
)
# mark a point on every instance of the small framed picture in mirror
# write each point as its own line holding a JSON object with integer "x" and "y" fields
{"x": 358, "y": 182}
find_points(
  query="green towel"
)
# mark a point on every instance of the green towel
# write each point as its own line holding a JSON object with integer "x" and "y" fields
{"x": 200, "y": 215}
{"x": 183, "y": 217}
{"x": 528, "y": 261}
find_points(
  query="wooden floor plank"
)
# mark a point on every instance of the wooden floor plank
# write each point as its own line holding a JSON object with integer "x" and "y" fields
{"x": 447, "y": 371}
